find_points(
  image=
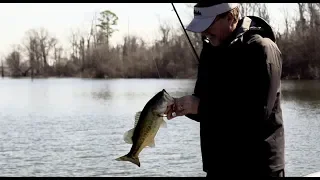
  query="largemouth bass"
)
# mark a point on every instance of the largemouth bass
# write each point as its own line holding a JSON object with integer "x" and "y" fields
{"x": 147, "y": 123}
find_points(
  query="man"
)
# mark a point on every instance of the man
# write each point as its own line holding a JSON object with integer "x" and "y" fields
{"x": 237, "y": 93}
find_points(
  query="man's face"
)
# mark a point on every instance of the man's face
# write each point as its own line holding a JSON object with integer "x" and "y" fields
{"x": 219, "y": 30}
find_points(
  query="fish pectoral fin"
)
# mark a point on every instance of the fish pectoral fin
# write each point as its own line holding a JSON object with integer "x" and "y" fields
{"x": 136, "y": 118}
{"x": 163, "y": 124}
{"x": 152, "y": 144}
{"x": 127, "y": 137}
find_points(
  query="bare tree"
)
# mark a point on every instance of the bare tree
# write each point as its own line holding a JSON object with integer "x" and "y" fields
{"x": 248, "y": 9}
{"x": 164, "y": 28}
{"x": 39, "y": 44}
{"x": 13, "y": 61}
{"x": 82, "y": 52}
{"x": 74, "y": 39}
{"x": 58, "y": 50}
{"x": 301, "y": 24}
{"x": 31, "y": 47}
{"x": 263, "y": 12}
{"x": 2, "y": 69}
{"x": 93, "y": 33}
{"x": 313, "y": 9}
{"x": 46, "y": 44}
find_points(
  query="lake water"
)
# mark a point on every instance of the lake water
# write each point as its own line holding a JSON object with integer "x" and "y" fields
{"x": 74, "y": 127}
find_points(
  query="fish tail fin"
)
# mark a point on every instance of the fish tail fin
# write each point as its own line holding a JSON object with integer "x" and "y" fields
{"x": 130, "y": 159}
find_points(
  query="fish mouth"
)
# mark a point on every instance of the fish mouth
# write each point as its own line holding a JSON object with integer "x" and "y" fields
{"x": 162, "y": 115}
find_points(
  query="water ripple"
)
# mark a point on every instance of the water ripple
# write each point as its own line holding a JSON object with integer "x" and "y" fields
{"x": 73, "y": 127}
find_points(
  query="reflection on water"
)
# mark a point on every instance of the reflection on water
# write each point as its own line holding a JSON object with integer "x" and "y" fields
{"x": 74, "y": 127}
{"x": 102, "y": 94}
{"x": 308, "y": 91}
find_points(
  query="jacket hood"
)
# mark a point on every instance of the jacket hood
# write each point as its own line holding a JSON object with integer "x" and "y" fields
{"x": 256, "y": 25}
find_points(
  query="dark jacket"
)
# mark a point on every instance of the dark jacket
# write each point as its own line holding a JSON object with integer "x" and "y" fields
{"x": 240, "y": 116}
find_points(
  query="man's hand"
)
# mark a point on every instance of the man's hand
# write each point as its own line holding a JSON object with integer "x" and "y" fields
{"x": 182, "y": 106}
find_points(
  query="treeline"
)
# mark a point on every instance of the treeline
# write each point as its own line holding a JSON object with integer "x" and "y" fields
{"x": 299, "y": 43}
{"x": 92, "y": 55}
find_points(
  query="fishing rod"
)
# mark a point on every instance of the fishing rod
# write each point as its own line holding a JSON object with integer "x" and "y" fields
{"x": 185, "y": 32}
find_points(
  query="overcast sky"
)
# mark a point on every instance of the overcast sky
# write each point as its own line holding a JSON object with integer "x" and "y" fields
{"x": 135, "y": 18}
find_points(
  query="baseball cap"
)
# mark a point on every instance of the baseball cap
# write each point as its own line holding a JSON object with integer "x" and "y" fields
{"x": 204, "y": 16}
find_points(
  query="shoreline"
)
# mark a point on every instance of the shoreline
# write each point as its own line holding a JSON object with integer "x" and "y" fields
{"x": 109, "y": 78}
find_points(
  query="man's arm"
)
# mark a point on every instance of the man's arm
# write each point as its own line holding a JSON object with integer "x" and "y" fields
{"x": 270, "y": 58}
{"x": 196, "y": 93}
{"x": 195, "y": 116}
{"x": 198, "y": 86}
{"x": 274, "y": 68}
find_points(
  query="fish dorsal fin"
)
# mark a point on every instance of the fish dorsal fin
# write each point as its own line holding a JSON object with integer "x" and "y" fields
{"x": 127, "y": 137}
{"x": 136, "y": 118}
